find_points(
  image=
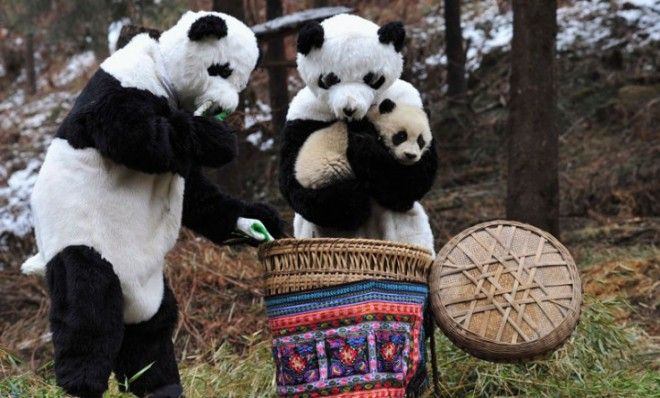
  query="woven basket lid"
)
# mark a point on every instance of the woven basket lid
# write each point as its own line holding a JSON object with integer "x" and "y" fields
{"x": 294, "y": 265}
{"x": 505, "y": 291}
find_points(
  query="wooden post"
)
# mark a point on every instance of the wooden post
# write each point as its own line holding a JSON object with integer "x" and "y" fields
{"x": 229, "y": 177}
{"x": 457, "y": 86}
{"x": 277, "y": 75}
{"x": 532, "y": 185}
{"x": 29, "y": 64}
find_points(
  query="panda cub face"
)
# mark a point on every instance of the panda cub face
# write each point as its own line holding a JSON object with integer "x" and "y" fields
{"x": 348, "y": 61}
{"x": 403, "y": 129}
{"x": 209, "y": 56}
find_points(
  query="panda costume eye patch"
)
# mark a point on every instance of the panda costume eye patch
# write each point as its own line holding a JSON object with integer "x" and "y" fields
{"x": 374, "y": 81}
{"x": 328, "y": 81}
{"x": 223, "y": 70}
{"x": 399, "y": 138}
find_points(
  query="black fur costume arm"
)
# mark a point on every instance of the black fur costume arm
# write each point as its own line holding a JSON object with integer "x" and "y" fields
{"x": 392, "y": 184}
{"x": 343, "y": 205}
{"x": 213, "y": 214}
{"x": 138, "y": 129}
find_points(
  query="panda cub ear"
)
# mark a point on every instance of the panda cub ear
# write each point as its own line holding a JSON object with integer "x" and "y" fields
{"x": 394, "y": 33}
{"x": 310, "y": 36}
{"x": 208, "y": 26}
{"x": 386, "y": 106}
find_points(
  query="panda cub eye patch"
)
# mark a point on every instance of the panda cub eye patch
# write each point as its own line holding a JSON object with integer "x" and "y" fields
{"x": 399, "y": 138}
{"x": 374, "y": 81}
{"x": 328, "y": 81}
{"x": 223, "y": 71}
{"x": 421, "y": 142}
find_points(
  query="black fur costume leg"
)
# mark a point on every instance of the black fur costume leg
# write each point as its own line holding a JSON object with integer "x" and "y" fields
{"x": 86, "y": 317}
{"x": 150, "y": 342}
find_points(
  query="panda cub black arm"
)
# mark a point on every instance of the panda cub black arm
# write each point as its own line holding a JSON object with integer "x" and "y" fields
{"x": 343, "y": 204}
{"x": 392, "y": 184}
{"x": 213, "y": 214}
{"x": 138, "y": 129}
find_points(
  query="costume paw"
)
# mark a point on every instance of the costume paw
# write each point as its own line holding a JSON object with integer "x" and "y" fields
{"x": 268, "y": 216}
{"x": 255, "y": 229}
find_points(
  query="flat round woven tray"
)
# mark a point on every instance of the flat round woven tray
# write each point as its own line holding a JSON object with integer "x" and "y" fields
{"x": 505, "y": 291}
{"x": 293, "y": 265}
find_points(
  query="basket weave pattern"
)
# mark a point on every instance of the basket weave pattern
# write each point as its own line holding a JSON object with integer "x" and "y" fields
{"x": 505, "y": 290}
{"x": 294, "y": 265}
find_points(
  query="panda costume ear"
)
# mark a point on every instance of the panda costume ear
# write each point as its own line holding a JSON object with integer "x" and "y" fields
{"x": 208, "y": 26}
{"x": 310, "y": 36}
{"x": 386, "y": 106}
{"x": 394, "y": 33}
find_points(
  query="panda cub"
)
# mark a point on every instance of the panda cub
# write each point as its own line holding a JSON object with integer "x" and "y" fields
{"x": 404, "y": 130}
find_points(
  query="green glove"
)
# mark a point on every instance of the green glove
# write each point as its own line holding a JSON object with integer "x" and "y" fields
{"x": 203, "y": 110}
{"x": 255, "y": 229}
{"x": 222, "y": 116}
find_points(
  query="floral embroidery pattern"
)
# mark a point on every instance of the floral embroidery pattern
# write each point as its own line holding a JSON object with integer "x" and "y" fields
{"x": 347, "y": 356}
{"x": 296, "y": 364}
{"x": 368, "y": 348}
{"x": 390, "y": 348}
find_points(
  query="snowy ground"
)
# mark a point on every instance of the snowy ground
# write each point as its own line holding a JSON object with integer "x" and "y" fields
{"x": 27, "y": 126}
{"x": 584, "y": 26}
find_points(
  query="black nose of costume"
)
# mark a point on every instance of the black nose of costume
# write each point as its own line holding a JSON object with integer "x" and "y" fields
{"x": 349, "y": 111}
{"x": 410, "y": 156}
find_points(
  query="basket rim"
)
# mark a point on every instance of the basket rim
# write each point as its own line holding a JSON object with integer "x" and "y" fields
{"x": 287, "y": 243}
{"x": 500, "y": 351}
{"x": 416, "y": 261}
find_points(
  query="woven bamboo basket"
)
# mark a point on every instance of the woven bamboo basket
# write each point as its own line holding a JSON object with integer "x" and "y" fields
{"x": 505, "y": 291}
{"x": 294, "y": 265}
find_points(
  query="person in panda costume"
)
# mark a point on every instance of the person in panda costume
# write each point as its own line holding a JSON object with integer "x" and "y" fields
{"x": 119, "y": 179}
{"x": 344, "y": 174}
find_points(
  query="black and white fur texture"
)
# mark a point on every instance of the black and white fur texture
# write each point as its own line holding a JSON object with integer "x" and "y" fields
{"x": 120, "y": 178}
{"x": 401, "y": 130}
{"x": 350, "y": 64}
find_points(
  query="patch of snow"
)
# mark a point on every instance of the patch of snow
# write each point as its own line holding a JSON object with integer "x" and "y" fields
{"x": 15, "y": 216}
{"x": 259, "y": 115}
{"x": 75, "y": 67}
{"x": 583, "y": 26}
{"x": 257, "y": 140}
{"x": 113, "y": 33}
{"x": 35, "y": 121}
{"x": 297, "y": 18}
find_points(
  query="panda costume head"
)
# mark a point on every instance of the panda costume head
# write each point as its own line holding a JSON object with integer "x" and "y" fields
{"x": 206, "y": 56}
{"x": 348, "y": 61}
{"x": 403, "y": 129}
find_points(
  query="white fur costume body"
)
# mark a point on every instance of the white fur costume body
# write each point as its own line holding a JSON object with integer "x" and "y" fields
{"x": 410, "y": 227}
{"x": 131, "y": 218}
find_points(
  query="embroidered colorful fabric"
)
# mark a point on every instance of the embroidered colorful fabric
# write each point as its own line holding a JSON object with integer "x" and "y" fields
{"x": 361, "y": 340}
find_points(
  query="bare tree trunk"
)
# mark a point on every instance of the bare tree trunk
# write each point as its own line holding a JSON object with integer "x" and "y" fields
{"x": 533, "y": 187}
{"x": 277, "y": 76}
{"x": 229, "y": 177}
{"x": 457, "y": 86}
{"x": 231, "y": 7}
{"x": 29, "y": 64}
